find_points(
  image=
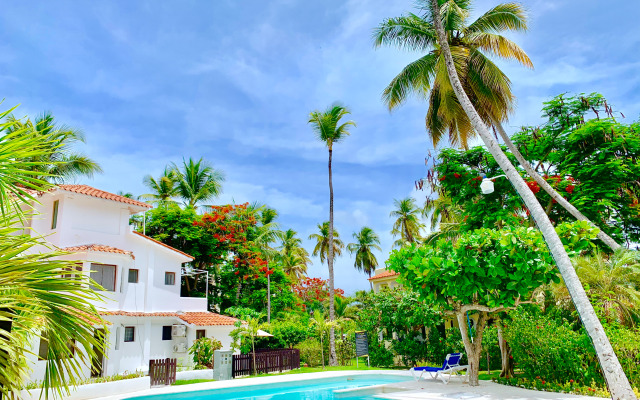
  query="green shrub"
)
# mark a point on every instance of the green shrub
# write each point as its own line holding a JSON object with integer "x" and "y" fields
{"x": 379, "y": 355}
{"x": 345, "y": 350}
{"x": 550, "y": 350}
{"x": 626, "y": 344}
{"x": 490, "y": 345}
{"x": 202, "y": 351}
{"x": 310, "y": 352}
{"x": 411, "y": 351}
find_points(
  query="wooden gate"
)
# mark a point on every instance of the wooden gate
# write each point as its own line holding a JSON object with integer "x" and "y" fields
{"x": 162, "y": 372}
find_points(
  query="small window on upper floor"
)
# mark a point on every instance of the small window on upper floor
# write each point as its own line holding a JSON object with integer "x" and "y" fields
{"x": 54, "y": 218}
{"x": 133, "y": 275}
{"x": 169, "y": 278}
{"x": 200, "y": 333}
{"x": 129, "y": 333}
{"x": 105, "y": 276}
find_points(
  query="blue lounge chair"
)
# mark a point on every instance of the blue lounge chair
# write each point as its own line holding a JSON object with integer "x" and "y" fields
{"x": 450, "y": 366}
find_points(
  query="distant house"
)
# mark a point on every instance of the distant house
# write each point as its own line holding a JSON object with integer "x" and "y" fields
{"x": 147, "y": 318}
{"x": 384, "y": 279}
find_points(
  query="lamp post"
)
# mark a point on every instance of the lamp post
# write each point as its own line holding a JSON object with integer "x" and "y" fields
{"x": 487, "y": 184}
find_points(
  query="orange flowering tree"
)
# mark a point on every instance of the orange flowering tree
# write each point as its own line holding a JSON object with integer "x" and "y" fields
{"x": 313, "y": 292}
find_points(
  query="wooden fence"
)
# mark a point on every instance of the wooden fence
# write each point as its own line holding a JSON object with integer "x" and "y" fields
{"x": 162, "y": 372}
{"x": 266, "y": 361}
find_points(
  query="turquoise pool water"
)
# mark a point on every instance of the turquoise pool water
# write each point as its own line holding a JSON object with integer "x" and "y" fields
{"x": 311, "y": 389}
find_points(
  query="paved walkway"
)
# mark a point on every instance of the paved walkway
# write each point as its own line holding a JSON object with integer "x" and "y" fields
{"x": 411, "y": 390}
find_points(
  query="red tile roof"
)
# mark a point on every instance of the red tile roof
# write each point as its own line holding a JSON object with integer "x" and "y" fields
{"x": 162, "y": 244}
{"x": 101, "y": 194}
{"x": 203, "y": 318}
{"x": 384, "y": 274}
{"x": 97, "y": 247}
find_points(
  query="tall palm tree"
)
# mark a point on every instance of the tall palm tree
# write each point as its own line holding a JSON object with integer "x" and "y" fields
{"x": 61, "y": 163}
{"x": 407, "y": 224}
{"x": 366, "y": 241}
{"x": 328, "y": 129}
{"x": 617, "y": 381}
{"x": 487, "y": 87}
{"x": 164, "y": 189}
{"x": 197, "y": 181}
{"x": 294, "y": 265}
{"x": 613, "y": 281}
{"x": 37, "y": 299}
{"x": 323, "y": 243}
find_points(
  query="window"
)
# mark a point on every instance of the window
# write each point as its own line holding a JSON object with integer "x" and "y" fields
{"x": 133, "y": 275}
{"x": 200, "y": 333}
{"x": 75, "y": 271}
{"x": 166, "y": 332}
{"x": 43, "y": 348}
{"x": 129, "y": 333}
{"x": 105, "y": 276}
{"x": 169, "y": 278}
{"x": 54, "y": 218}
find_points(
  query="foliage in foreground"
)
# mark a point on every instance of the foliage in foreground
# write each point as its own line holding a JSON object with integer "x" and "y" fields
{"x": 202, "y": 351}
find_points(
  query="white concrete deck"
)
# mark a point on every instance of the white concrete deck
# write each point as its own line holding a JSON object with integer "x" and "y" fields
{"x": 428, "y": 389}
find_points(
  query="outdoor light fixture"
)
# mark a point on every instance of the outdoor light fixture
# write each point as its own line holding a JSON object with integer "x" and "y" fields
{"x": 487, "y": 184}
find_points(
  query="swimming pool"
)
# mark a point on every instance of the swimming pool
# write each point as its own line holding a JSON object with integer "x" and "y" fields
{"x": 310, "y": 389}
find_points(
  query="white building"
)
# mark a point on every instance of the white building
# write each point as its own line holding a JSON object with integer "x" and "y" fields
{"x": 147, "y": 317}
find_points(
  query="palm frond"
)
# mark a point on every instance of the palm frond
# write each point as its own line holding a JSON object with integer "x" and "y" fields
{"x": 503, "y": 17}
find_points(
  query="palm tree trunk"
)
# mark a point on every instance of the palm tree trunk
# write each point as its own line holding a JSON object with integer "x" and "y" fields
{"x": 333, "y": 359}
{"x": 617, "y": 381}
{"x": 608, "y": 240}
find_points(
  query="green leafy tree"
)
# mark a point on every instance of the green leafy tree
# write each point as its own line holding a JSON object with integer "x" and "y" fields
{"x": 445, "y": 217}
{"x": 322, "y": 325}
{"x": 407, "y": 223}
{"x": 39, "y": 299}
{"x": 202, "y": 351}
{"x": 485, "y": 272}
{"x": 329, "y": 129}
{"x": 247, "y": 327}
{"x": 366, "y": 241}
{"x": 197, "y": 181}
{"x": 61, "y": 162}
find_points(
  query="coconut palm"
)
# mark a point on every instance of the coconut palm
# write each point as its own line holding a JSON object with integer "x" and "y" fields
{"x": 322, "y": 325}
{"x": 293, "y": 256}
{"x": 164, "y": 189}
{"x": 366, "y": 241}
{"x": 486, "y": 86}
{"x": 197, "y": 181}
{"x": 61, "y": 163}
{"x": 407, "y": 224}
{"x": 321, "y": 249}
{"x": 617, "y": 381}
{"x": 445, "y": 218}
{"x": 38, "y": 300}
{"x": 330, "y": 130}
{"x": 612, "y": 281}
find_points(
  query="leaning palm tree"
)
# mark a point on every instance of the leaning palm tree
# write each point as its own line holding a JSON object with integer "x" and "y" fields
{"x": 407, "y": 224}
{"x": 163, "y": 189}
{"x": 610, "y": 280}
{"x": 617, "y": 381}
{"x": 197, "y": 181}
{"x": 39, "y": 299}
{"x": 61, "y": 163}
{"x": 323, "y": 243}
{"x": 329, "y": 130}
{"x": 366, "y": 241}
{"x": 486, "y": 86}
{"x": 294, "y": 266}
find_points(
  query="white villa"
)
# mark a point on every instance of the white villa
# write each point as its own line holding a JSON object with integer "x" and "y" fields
{"x": 147, "y": 317}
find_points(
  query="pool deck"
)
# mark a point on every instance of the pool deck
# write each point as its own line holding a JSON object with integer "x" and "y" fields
{"x": 425, "y": 389}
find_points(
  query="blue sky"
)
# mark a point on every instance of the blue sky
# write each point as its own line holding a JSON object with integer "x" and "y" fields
{"x": 151, "y": 82}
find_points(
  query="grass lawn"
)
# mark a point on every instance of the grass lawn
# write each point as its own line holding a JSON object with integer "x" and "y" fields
{"x": 190, "y": 381}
